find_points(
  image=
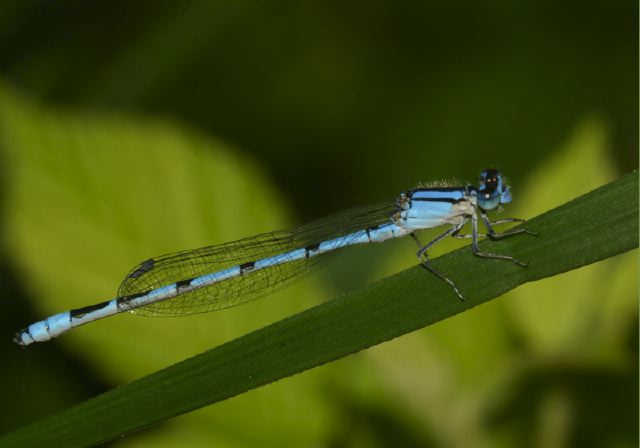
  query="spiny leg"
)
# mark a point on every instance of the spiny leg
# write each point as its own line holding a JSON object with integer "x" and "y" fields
{"x": 499, "y": 235}
{"x": 476, "y": 249}
{"x": 506, "y": 220}
{"x": 423, "y": 256}
{"x": 468, "y": 235}
{"x": 492, "y": 233}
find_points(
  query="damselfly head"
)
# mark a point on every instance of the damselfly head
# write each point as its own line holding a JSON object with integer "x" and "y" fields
{"x": 493, "y": 190}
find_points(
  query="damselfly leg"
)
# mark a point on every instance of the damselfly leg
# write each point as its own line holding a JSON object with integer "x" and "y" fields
{"x": 423, "y": 255}
{"x": 476, "y": 249}
{"x": 454, "y": 231}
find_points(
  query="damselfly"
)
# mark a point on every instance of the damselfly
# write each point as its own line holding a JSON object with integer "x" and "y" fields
{"x": 217, "y": 277}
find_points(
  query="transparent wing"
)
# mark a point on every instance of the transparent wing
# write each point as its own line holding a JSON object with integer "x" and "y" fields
{"x": 171, "y": 268}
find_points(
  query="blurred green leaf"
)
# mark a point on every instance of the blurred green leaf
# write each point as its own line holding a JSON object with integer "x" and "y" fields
{"x": 89, "y": 195}
{"x": 593, "y": 295}
{"x": 573, "y": 235}
{"x": 452, "y": 376}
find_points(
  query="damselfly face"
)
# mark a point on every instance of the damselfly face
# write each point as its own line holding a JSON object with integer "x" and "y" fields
{"x": 492, "y": 191}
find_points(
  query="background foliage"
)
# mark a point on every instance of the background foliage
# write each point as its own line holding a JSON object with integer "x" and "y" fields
{"x": 129, "y": 130}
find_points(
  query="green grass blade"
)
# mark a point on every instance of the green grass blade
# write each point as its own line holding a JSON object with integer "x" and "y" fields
{"x": 598, "y": 225}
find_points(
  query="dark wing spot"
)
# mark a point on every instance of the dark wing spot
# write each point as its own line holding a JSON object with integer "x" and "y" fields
{"x": 145, "y": 266}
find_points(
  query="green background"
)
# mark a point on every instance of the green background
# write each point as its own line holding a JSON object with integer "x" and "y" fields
{"x": 130, "y": 130}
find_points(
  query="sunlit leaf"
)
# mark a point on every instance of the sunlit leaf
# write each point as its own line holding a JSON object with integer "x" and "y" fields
{"x": 90, "y": 195}
{"x": 592, "y": 297}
